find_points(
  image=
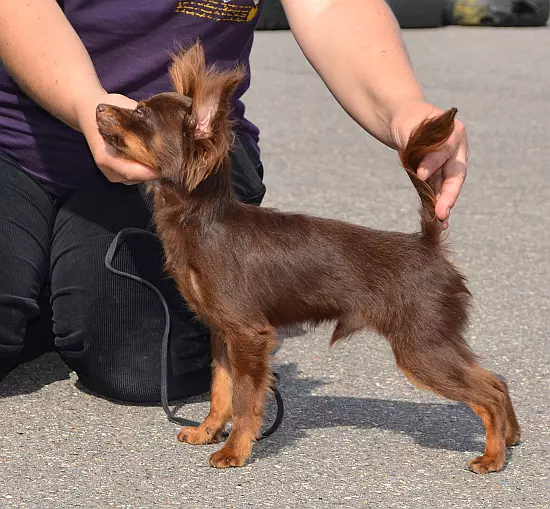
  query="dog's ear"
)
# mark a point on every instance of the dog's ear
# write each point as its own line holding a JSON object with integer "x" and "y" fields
{"x": 211, "y": 102}
{"x": 187, "y": 69}
{"x": 210, "y": 89}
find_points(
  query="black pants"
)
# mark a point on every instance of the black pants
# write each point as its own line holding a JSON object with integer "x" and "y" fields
{"x": 56, "y": 292}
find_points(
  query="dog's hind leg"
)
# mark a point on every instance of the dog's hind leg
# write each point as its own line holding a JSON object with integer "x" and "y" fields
{"x": 211, "y": 428}
{"x": 513, "y": 431}
{"x": 447, "y": 367}
{"x": 248, "y": 353}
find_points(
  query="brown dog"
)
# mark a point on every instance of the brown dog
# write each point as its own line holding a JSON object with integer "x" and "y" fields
{"x": 247, "y": 270}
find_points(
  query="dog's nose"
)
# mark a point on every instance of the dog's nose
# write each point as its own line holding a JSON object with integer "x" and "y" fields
{"x": 101, "y": 107}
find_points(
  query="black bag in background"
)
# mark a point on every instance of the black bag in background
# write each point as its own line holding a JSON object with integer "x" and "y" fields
{"x": 409, "y": 14}
{"x": 435, "y": 13}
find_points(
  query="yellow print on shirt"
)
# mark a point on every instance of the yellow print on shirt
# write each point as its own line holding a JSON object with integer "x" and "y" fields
{"x": 219, "y": 10}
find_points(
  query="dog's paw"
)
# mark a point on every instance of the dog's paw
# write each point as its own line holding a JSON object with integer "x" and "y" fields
{"x": 485, "y": 464}
{"x": 197, "y": 435}
{"x": 225, "y": 458}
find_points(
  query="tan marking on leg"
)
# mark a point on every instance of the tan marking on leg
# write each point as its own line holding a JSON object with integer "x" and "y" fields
{"x": 209, "y": 431}
{"x": 495, "y": 447}
{"x": 248, "y": 352}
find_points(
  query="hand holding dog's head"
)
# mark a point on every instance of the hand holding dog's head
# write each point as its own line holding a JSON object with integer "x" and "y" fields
{"x": 185, "y": 135}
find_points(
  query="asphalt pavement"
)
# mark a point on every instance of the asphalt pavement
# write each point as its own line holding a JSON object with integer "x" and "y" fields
{"x": 356, "y": 433}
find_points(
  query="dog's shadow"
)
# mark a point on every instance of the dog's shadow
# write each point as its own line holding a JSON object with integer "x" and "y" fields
{"x": 446, "y": 425}
{"x": 450, "y": 426}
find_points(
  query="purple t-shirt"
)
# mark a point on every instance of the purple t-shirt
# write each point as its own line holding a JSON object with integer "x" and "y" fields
{"x": 129, "y": 42}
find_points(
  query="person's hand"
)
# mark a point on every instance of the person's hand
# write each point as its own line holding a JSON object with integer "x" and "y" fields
{"x": 108, "y": 159}
{"x": 448, "y": 165}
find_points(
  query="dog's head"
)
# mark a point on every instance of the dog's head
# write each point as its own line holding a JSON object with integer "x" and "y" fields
{"x": 185, "y": 135}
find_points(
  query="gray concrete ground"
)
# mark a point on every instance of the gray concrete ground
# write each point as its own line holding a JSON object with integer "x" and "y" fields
{"x": 356, "y": 433}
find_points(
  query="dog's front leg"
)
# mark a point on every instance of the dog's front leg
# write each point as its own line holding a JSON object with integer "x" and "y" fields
{"x": 248, "y": 354}
{"x": 210, "y": 429}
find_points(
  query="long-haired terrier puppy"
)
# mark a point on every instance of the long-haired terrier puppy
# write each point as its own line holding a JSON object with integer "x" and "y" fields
{"x": 246, "y": 270}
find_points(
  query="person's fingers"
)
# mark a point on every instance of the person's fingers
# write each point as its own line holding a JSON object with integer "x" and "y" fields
{"x": 119, "y": 169}
{"x": 454, "y": 174}
{"x": 133, "y": 171}
{"x": 436, "y": 182}
{"x": 128, "y": 174}
{"x": 116, "y": 177}
{"x": 435, "y": 160}
{"x": 122, "y": 101}
{"x": 447, "y": 168}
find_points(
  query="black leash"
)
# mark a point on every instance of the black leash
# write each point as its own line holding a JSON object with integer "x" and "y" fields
{"x": 166, "y": 339}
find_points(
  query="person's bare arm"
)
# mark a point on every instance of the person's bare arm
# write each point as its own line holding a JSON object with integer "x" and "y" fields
{"x": 41, "y": 51}
{"x": 356, "y": 47}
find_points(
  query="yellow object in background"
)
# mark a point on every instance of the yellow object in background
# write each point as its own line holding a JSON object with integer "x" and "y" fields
{"x": 469, "y": 12}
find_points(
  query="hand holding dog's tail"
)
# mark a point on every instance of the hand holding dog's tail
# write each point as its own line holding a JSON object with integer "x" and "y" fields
{"x": 428, "y": 137}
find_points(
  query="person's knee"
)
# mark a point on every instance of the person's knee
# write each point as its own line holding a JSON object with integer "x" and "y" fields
{"x": 26, "y": 219}
{"x": 109, "y": 328}
{"x": 113, "y": 342}
{"x": 15, "y": 312}
{"x": 94, "y": 332}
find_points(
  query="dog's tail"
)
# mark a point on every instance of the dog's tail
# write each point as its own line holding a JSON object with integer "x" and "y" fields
{"x": 428, "y": 137}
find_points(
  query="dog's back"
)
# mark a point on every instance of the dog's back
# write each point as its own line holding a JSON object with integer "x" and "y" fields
{"x": 290, "y": 268}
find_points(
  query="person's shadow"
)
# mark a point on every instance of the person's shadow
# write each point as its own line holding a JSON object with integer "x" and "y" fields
{"x": 33, "y": 375}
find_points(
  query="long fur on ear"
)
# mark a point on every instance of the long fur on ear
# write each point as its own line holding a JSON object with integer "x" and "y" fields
{"x": 187, "y": 69}
{"x": 211, "y": 90}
